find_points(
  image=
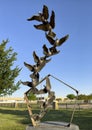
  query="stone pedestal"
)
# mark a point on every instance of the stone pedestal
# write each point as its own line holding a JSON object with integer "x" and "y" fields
{"x": 50, "y": 125}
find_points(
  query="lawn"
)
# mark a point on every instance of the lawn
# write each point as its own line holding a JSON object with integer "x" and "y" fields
{"x": 18, "y": 119}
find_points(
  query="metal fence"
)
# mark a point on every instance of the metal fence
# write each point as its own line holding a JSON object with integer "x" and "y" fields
{"x": 55, "y": 105}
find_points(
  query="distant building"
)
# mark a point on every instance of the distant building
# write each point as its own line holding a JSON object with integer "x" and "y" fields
{"x": 11, "y": 99}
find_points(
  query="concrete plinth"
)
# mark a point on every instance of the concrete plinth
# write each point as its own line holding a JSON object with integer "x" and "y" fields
{"x": 50, "y": 125}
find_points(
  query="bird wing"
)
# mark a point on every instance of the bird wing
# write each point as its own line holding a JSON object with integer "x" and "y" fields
{"x": 45, "y": 12}
{"x": 44, "y": 27}
{"x": 35, "y": 17}
{"x": 45, "y": 49}
{"x": 62, "y": 40}
{"x": 30, "y": 67}
{"x": 36, "y": 58}
{"x": 27, "y": 83}
{"x": 53, "y": 50}
{"x": 50, "y": 39}
{"x": 46, "y": 61}
{"x": 52, "y": 19}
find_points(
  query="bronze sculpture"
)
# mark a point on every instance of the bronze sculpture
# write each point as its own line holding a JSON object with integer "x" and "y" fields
{"x": 40, "y": 62}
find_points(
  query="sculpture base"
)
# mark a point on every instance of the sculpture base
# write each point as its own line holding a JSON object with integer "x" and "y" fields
{"x": 51, "y": 125}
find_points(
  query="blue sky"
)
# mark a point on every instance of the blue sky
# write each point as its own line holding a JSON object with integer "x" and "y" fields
{"x": 73, "y": 64}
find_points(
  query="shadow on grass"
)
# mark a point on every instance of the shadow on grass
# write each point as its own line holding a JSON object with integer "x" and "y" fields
{"x": 82, "y": 118}
{"x": 13, "y": 111}
{"x": 21, "y": 115}
{"x": 24, "y": 118}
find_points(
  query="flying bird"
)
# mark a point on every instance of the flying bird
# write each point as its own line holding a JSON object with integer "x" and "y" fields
{"x": 33, "y": 89}
{"x": 52, "y": 24}
{"x": 45, "y": 50}
{"x": 36, "y": 68}
{"x": 30, "y": 84}
{"x": 35, "y": 76}
{"x": 42, "y": 63}
{"x": 56, "y": 42}
{"x": 36, "y": 58}
{"x": 53, "y": 50}
{"x": 52, "y": 19}
{"x": 35, "y": 81}
{"x": 42, "y": 16}
{"x": 30, "y": 67}
{"x": 48, "y": 26}
{"x": 49, "y": 52}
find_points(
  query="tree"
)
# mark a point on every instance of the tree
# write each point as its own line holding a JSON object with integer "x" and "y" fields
{"x": 8, "y": 73}
{"x": 82, "y": 97}
{"x": 31, "y": 96}
{"x": 90, "y": 96}
{"x": 71, "y": 96}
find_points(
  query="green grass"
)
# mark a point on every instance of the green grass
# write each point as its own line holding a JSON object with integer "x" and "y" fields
{"x": 18, "y": 119}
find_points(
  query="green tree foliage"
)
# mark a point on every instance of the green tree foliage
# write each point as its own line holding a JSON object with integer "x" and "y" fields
{"x": 71, "y": 96}
{"x": 80, "y": 97}
{"x": 7, "y": 72}
{"x": 90, "y": 97}
{"x": 85, "y": 97}
{"x": 31, "y": 96}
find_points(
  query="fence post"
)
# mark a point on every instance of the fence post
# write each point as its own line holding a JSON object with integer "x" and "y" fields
{"x": 16, "y": 104}
{"x": 66, "y": 105}
{"x": 55, "y": 105}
